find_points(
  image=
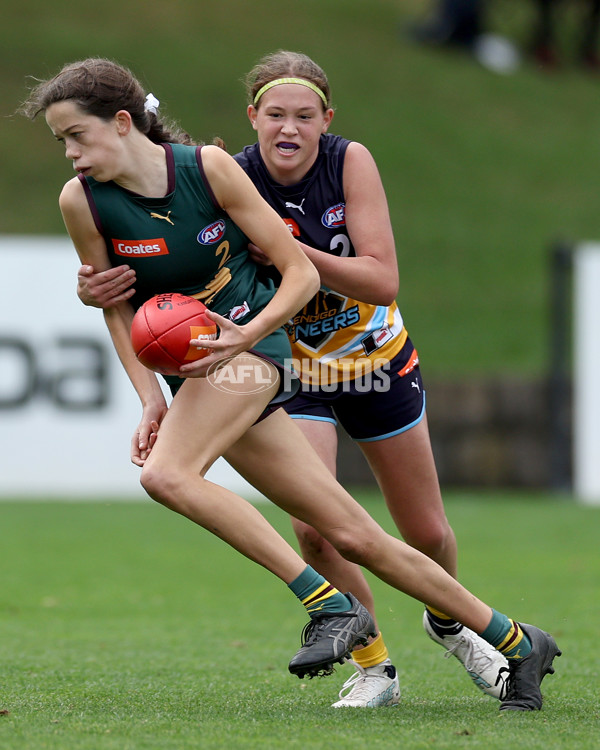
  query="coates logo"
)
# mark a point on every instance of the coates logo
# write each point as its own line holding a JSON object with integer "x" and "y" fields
{"x": 212, "y": 233}
{"x": 140, "y": 248}
{"x": 293, "y": 227}
{"x": 334, "y": 216}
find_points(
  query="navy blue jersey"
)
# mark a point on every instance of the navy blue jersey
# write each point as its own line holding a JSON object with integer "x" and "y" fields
{"x": 334, "y": 338}
{"x": 313, "y": 208}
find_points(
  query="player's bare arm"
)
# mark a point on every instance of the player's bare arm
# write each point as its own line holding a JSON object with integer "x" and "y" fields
{"x": 238, "y": 196}
{"x": 91, "y": 249}
{"x": 371, "y": 276}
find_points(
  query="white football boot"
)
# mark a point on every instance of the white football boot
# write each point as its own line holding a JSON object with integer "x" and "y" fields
{"x": 486, "y": 666}
{"x": 370, "y": 687}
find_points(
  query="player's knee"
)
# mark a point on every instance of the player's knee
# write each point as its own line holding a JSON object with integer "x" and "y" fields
{"x": 160, "y": 483}
{"x": 355, "y": 547}
{"x": 151, "y": 482}
{"x": 430, "y": 539}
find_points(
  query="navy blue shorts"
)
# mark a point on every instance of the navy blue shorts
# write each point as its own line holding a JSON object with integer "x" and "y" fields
{"x": 379, "y": 405}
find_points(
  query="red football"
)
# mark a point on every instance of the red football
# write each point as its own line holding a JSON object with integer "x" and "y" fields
{"x": 162, "y": 328}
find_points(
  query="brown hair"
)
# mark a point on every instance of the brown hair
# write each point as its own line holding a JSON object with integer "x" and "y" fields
{"x": 285, "y": 64}
{"x": 102, "y": 88}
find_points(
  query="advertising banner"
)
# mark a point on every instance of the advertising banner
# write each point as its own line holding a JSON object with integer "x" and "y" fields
{"x": 67, "y": 408}
{"x": 586, "y": 379}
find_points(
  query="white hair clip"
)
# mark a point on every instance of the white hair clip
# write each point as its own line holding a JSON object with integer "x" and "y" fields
{"x": 151, "y": 104}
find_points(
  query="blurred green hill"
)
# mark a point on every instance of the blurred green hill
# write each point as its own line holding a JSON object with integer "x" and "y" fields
{"x": 483, "y": 171}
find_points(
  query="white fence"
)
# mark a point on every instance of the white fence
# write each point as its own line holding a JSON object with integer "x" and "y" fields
{"x": 67, "y": 409}
{"x": 586, "y": 406}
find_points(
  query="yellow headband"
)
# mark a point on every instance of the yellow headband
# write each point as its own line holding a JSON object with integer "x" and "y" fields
{"x": 299, "y": 81}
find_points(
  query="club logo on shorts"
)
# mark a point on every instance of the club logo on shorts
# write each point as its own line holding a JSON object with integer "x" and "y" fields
{"x": 413, "y": 361}
{"x": 212, "y": 233}
{"x": 335, "y": 216}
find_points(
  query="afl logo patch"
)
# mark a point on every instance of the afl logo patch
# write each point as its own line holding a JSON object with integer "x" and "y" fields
{"x": 212, "y": 233}
{"x": 334, "y": 216}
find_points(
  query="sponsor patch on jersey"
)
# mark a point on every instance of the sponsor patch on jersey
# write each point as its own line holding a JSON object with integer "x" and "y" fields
{"x": 212, "y": 233}
{"x": 140, "y": 248}
{"x": 293, "y": 227}
{"x": 239, "y": 311}
{"x": 335, "y": 216}
{"x": 376, "y": 340}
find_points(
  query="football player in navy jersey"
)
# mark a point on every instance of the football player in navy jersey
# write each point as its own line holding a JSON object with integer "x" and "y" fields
{"x": 357, "y": 365}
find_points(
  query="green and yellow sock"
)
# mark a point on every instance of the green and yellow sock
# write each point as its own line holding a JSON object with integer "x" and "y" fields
{"x": 371, "y": 655}
{"x": 317, "y": 594}
{"x": 507, "y": 636}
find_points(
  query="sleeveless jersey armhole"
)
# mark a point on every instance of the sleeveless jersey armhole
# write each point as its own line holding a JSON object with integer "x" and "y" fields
{"x": 91, "y": 203}
{"x": 340, "y": 166}
{"x": 209, "y": 189}
{"x": 170, "y": 166}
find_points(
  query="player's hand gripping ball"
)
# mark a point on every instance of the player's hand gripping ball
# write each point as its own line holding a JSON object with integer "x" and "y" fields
{"x": 162, "y": 328}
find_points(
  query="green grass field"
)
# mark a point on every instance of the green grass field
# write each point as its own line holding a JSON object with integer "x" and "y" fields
{"x": 124, "y": 627}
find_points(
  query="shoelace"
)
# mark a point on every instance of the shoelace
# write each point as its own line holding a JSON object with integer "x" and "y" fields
{"x": 359, "y": 676}
{"x": 311, "y": 630}
{"x": 510, "y": 687}
{"x": 474, "y": 657}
